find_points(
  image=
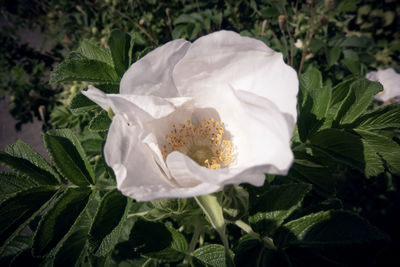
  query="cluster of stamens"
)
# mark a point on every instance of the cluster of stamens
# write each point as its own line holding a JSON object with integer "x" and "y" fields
{"x": 205, "y": 143}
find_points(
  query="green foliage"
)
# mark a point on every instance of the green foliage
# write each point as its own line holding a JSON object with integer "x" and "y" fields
{"x": 107, "y": 223}
{"x": 78, "y": 67}
{"x": 209, "y": 255}
{"x": 59, "y": 219}
{"x": 275, "y": 205}
{"x": 345, "y": 132}
{"x": 69, "y": 213}
{"x": 69, "y": 156}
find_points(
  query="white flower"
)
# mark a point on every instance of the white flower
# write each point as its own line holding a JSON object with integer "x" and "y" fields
{"x": 390, "y": 81}
{"x": 193, "y": 117}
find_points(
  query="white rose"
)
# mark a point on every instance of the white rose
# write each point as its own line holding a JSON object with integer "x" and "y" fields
{"x": 193, "y": 117}
{"x": 390, "y": 81}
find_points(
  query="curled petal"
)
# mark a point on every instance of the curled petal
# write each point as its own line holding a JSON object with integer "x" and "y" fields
{"x": 183, "y": 167}
{"x": 243, "y": 63}
{"x": 151, "y": 75}
{"x": 135, "y": 107}
{"x": 137, "y": 175}
{"x": 260, "y": 132}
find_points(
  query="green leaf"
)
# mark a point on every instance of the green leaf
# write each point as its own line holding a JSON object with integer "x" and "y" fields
{"x": 359, "y": 97}
{"x": 73, "y": 248}
{"x": 176, "y": 251}
{"x": 277, "y": 203}
{"x": 352, "y": 65}
{"x": 15, "y": 247}
{"x": 341, "y": 90}
{"x": 93, "y": 146}
{"x": 319, "y": 176}
{"x": 348, "y": 6}
{"x": 69, "y": 157}
{"x": 147, "y": 237}
{"x": 311, "y": 80}
{"x": 332, "y": 55}
{"x": 107, "y": 224}
{"x": 355, "y": 41}
{"x": 81, "y": 103}
{"x": 27, "y": 169}
{"x": 270, "y": 12}
{"x": 11, "y": 183}
{"x": 58, "y": 220}
{"x": 100, "y": 123}
{"x": 384, "y": 117}
{"x": 333, "y": 227}
{"x": 121, "y": 48}
{"x": 108, "y": 88}
{"x": 92, "y": 51}
{"x": 80, "y": 68}
{"x": 339, "y": 145}
{"x": 379, "y": 149}
{"x": 18, "y": 210}
{"x": 314, "y": 101}
{"x": 211, "y": 255}
{"x": 316, "y": 45}
{"x": 20, "y": 149}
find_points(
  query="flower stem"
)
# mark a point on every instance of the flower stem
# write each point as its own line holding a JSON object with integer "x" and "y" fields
{"x": 268, "y": 242}
{"x": 137, "y": 214}
{"x": 309, "y": 34}
{"x": 195, "y": 238}
{"x": 213, "y": 211}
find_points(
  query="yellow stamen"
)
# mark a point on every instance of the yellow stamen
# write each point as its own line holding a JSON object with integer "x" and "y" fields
{"x": 205, "y": 143}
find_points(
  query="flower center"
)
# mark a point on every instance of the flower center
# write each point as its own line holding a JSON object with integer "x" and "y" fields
{"x": 205, "y": 143}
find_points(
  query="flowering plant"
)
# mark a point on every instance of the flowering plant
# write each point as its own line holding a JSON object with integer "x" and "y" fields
{"x": 191, "y": 118}
{"x": 215, "y": 136}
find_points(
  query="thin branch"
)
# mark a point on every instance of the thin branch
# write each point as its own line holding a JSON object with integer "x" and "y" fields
{"x": 193, "y": 242}
{"x": 289, "y": 33}
{"x": 169, "y": 21}
{"x": 309, "y": 35}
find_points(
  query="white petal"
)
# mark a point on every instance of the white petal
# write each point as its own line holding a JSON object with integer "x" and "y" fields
{"x": 182, "y": 167}
{"x": 135, "y": 107}
{"x": 244, "y": 63}
{"x": 152, "y": 74}
{"x": 261, "y": 133}
{"x": 390, "y": 81}
{"x": 136, "y": 172}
